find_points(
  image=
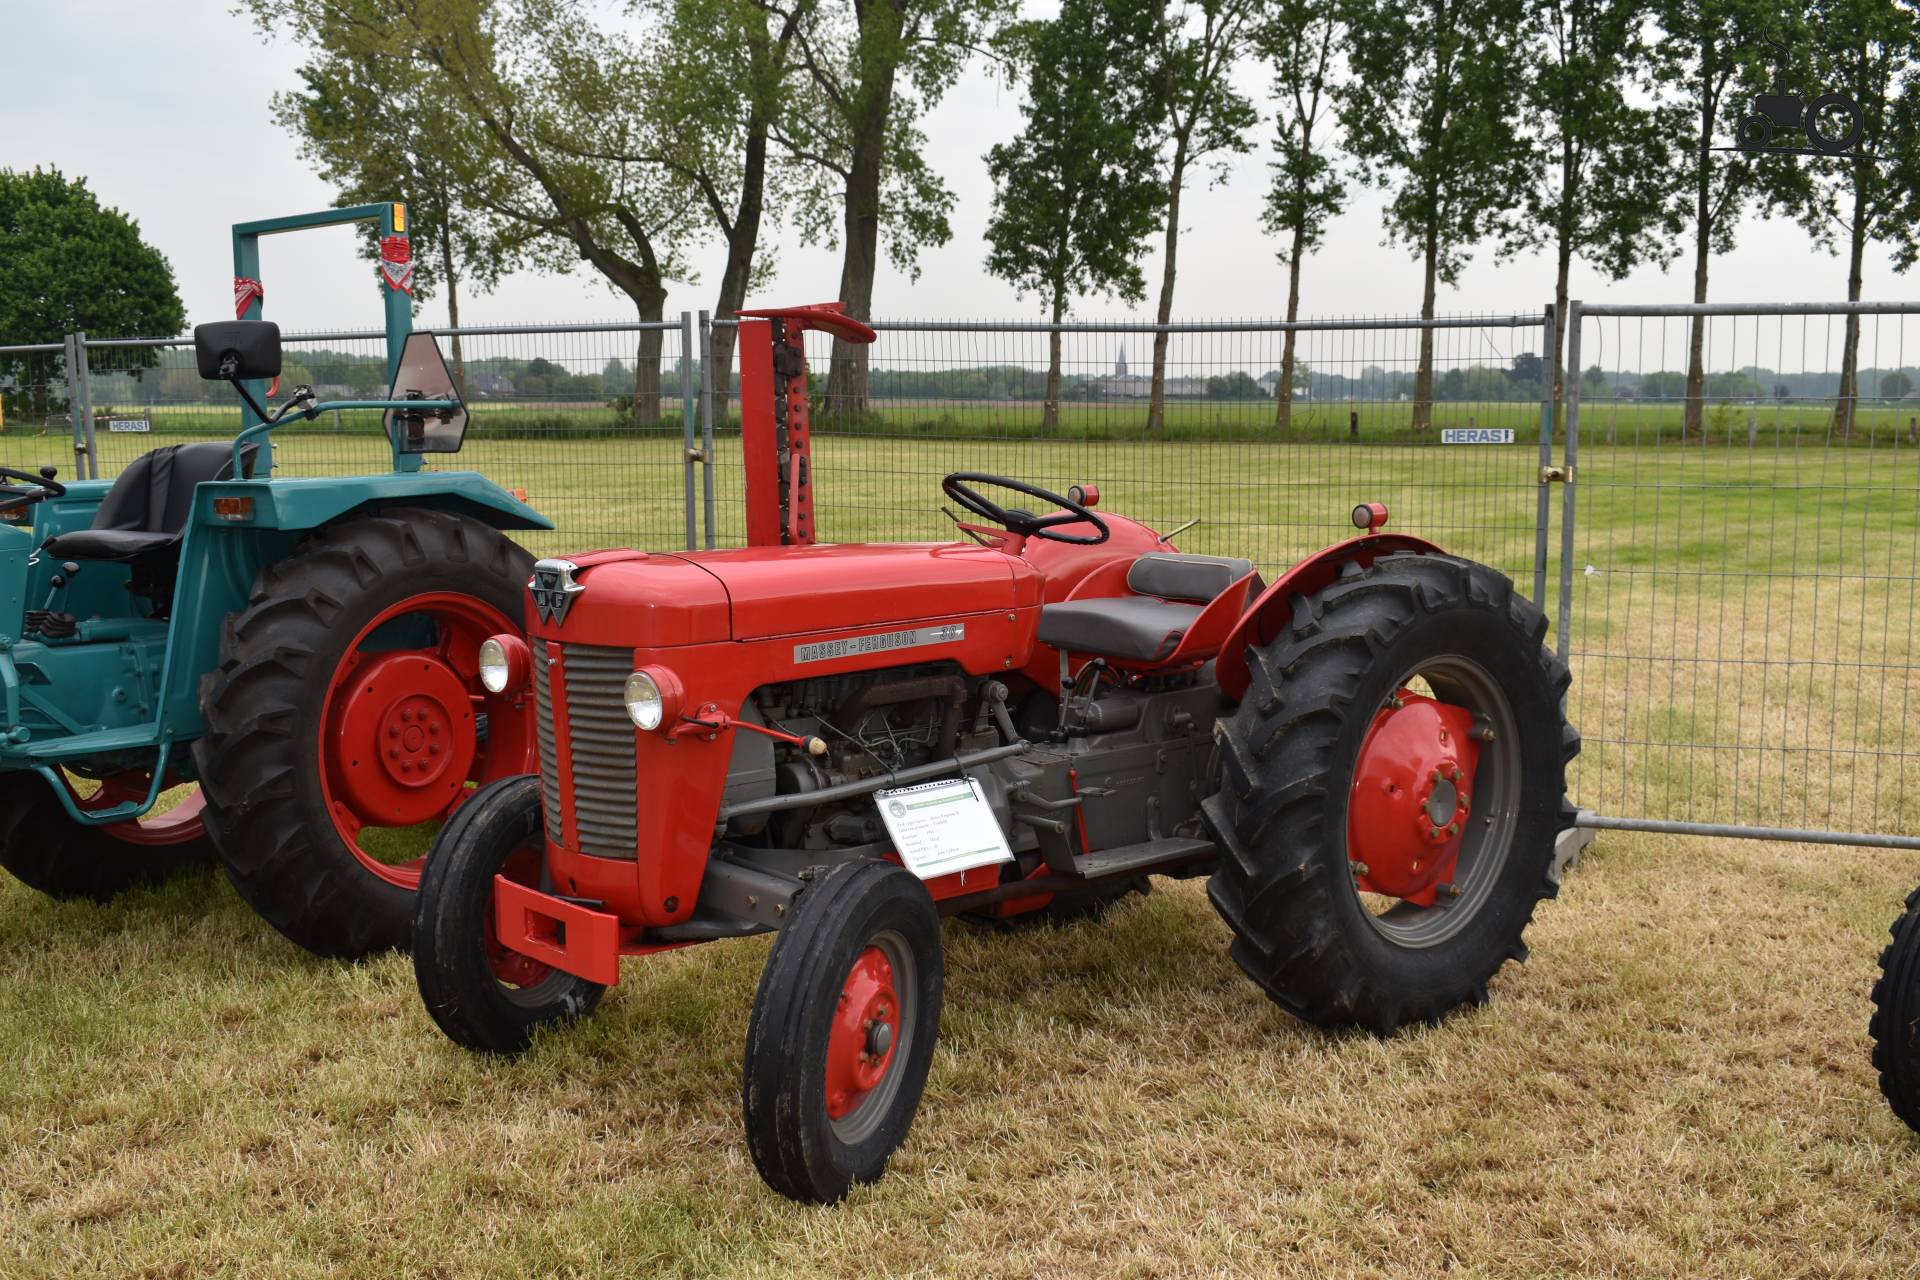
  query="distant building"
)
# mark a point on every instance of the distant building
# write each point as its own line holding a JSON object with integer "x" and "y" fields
{"x": 1121, "y": 385}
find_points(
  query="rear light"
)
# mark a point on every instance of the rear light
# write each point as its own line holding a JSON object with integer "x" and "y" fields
{"x": 505, "y": 664}
{"x": 237, "y": 509}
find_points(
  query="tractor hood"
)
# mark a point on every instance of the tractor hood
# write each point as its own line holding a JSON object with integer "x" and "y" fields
{"x": 641, "y": 600}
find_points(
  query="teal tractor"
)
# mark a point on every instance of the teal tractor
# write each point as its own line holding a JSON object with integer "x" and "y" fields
{"x": 201, "y": 660}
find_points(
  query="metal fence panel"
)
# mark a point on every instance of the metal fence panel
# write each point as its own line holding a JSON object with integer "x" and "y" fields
{"x": 1740, "y": 589}
{"x": 949, "y": 396}
{"x": 36, "y": 416}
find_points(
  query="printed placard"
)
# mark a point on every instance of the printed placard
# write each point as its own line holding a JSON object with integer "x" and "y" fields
{"x": 129, "y": 424}
{"x": 1476, "y": 435}
{"x": 942, "y": 827}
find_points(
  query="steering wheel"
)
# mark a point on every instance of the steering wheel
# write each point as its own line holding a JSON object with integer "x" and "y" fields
{"x": 958, "y": 487}
{"x": 43, "y": 486}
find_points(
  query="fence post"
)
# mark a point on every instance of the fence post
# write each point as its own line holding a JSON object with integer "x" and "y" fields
{"x": 706, "y": 420}
{"x": 689, "y": 452}
{"x": 1569, "y": 455}
{"x": 86, "y": 459}
{"x": 1551, "y": 350}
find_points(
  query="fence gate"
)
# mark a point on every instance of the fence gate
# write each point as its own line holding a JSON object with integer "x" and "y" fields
{"x": 1737, "y": 583}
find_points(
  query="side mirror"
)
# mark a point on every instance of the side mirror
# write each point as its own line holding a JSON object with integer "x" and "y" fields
{"x": 237, "y": 349}
{"x": 423, "y": 376}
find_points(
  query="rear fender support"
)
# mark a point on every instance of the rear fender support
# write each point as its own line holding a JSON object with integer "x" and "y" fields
{"x": 1269, "y": 613}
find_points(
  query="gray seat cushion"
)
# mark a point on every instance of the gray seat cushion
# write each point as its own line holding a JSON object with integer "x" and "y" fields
{"x": 144, "y": 513}
{"x": 1176, "y": 576}
{"x": 1138, "y": 628}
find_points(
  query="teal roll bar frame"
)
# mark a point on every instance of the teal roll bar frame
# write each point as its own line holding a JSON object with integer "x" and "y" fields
{"x": 392, "y": 217}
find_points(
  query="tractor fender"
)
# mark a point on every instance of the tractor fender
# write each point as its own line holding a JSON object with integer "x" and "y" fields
{"x": 309, "y": 502}
{"x": 1269, "y": 612}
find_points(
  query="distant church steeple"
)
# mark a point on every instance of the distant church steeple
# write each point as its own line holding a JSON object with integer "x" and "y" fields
{"x": 1120, "y": 365}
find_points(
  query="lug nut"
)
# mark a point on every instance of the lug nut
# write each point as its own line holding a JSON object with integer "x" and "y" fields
{"x": 1454, "y": 776}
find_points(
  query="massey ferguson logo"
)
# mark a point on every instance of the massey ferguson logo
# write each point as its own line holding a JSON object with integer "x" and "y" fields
{"x": 553, "y": 589}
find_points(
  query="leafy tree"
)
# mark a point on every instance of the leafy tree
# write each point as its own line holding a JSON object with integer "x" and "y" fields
{"x": 68, "y": 265}
{"x": 874, "y": 67}
{"x": 1664, "y": 385}
{"x": 1074, "y": 194}
{"x": 1711, "y": 53}
{"x": 1601, "y": 181}
{"x": 1866, "y": 48}
{"x": 1299, "y": 39}
{"x": 380, "y": 133}
{"x": 1205, "y": 117}
{"x": 1594, "y": 381}
{"x": 555, "y": 115}
{"x": 1526, "y": 369}
{"x": 1428, "y": 108}
{"x": 1238, "y": 385}
{"x": 1895, "y": 385}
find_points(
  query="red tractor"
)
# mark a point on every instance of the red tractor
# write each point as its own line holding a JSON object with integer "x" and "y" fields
{"x": 844, "y": 743}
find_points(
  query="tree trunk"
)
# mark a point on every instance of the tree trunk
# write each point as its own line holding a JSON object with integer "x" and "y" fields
{"x": 1702, "y": 250}
{"x": 1560, "y": 328}
{"x": 880, "y": 29}
{"x": 652, "y": 305}
{"x": 743, "y": 241}
{"x": 453, "y": 314}
{"x": 1846, "y": 408}
{"x": 1283, "y": 413}
{"x": 1050, "y": 414}
{"x": 1157, "y": 399}
{"x": 1423, "y": 378}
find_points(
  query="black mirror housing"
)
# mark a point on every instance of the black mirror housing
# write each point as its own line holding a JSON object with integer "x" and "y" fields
{"x": 237, "y": 349}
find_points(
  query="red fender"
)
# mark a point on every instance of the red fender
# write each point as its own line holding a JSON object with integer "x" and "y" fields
{"x": 1268, "y": 614}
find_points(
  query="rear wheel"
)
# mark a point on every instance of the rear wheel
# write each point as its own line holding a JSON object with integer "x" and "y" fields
{"x": 482, "y": 994}
{"x": 1392, "y": 786}
{"x": 47, "y": 850}
{"x": 347, "y": 719}
{"x": 842, "y": 1032}
{"x": 1895, "y": 1029}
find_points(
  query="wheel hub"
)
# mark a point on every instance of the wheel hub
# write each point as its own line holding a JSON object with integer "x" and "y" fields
{"x": 866, "y": 1026}
{"x": 1412, "y": 795}
{"x": 406, "y": 738}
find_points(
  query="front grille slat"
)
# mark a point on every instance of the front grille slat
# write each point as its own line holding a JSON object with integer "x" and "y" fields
{"x": 602, "y": 789}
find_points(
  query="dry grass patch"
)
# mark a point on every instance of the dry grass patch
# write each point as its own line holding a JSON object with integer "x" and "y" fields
{"x": 1677, "y": 1084}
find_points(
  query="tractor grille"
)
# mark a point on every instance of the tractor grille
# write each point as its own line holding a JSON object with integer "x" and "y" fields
{"x": 604, "y": 780}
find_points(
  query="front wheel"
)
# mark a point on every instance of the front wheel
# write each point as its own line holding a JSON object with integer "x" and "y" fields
{"x": 1392, "y": 786}
{"x": 842, "y": 1032}
{"x": 46, "y": 849}
{"x": 482, "y": 994}
{"x": 1895, "y": 1028}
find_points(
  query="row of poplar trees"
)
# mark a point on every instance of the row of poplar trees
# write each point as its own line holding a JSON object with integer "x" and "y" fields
{"x": 535, "y": 133}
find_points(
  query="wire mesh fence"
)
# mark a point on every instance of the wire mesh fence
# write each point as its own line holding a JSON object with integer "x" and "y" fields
{"x": 1738, "y": 596}
{"x": 1263, "y": 475}
{"x": 36, "y": 414}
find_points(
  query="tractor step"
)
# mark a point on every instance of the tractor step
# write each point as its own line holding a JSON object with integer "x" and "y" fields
{"x": 1168, "y": 851}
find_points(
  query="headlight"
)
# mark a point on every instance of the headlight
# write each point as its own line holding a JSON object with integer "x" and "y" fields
{"x": 504, "y": 663}
{"x": 644, "y": 702}
{"x": 653, "y": 696}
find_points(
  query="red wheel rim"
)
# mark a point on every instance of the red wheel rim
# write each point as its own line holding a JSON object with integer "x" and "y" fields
{"x": 398, "y": 732}
{"x": 866, "y": 1034}
{"x": 1412, "y": 793}
{"x": 180, "y": 824}
{"x": 511, "y": 967}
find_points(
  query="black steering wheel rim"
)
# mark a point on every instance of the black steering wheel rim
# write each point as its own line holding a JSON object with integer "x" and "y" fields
{"x": 43, "y": 487}
{"x": 958, "y": 486}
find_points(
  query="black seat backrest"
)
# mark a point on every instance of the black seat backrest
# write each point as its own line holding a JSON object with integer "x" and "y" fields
{"x": 155, "y": 493}
{"x": 1183, "y": 577}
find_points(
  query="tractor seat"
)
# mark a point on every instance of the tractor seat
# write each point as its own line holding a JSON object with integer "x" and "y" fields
{"x": 145, "y": 513}
{"x": 1170, "y": 590}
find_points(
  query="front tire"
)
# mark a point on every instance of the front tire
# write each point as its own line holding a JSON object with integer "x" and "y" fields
{"x": 842, "y": 1032}
{"x": 482, "y": 994}
{"x": 1895, "y": 1028}
{"x": 45, "y": 849}
{"x": 347, "y": 708}
{"x": 1383, "y": 848}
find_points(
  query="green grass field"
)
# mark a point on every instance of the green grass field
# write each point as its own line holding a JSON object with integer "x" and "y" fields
{"x": 1676, "y": 1084}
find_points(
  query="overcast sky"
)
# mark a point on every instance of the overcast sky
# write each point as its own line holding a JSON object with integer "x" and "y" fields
{"x": 162, "y": 106}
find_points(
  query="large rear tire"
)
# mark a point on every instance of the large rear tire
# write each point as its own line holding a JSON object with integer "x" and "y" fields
{"x": 1895, "y": 1028}
{"x": 347, "y": 701}
{"x": 1413, "y": 708}
{"x": 46, "y": 849}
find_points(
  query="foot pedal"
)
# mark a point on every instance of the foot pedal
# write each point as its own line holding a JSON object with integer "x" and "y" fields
{"x": 1138, "y": 859}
